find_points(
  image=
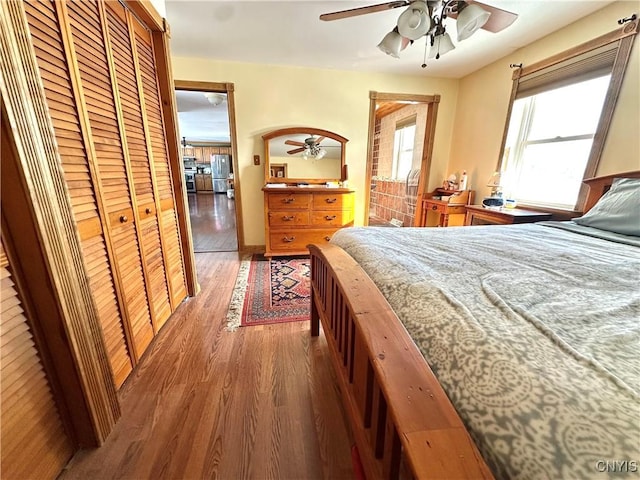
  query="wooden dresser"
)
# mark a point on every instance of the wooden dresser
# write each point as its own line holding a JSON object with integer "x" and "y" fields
{"x": 297, "y": 216}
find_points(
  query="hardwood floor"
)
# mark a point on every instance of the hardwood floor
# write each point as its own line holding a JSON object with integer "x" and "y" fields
{"x": 258, "y": 403}
{"x": 213, "y": 222}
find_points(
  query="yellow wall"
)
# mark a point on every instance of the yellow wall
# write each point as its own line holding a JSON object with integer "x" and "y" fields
{"x": 484, "y": 96}
{"x": 270, "y": 97}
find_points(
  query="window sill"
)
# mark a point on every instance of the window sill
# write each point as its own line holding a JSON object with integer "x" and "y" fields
{"x": 558, "y": 213}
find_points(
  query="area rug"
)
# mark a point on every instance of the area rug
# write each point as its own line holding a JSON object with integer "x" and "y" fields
{"x": 269, "y": 291}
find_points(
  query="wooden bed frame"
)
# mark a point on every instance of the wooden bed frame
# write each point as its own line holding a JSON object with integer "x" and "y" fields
{"x": 400, "y": 417}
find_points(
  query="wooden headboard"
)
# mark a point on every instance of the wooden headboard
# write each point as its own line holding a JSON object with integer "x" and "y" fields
{"x": 598, "y": 186}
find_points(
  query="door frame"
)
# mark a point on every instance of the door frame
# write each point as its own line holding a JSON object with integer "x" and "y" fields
{"x": 432, "y": 102}
{"x": 228, "y": 89}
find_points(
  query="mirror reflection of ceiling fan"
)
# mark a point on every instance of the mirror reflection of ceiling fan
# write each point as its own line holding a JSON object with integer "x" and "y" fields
{"x": 309, "y": 148}
{"x": 426, "y": 18}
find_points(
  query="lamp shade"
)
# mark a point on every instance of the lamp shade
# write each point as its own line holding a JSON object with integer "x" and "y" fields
{"x": 391, "y": 44}
{"x": 495, "y": 180}
{"x": 441, "y": 45}
{"x": 415, "y": 21}
{"x": 471, "y": 18}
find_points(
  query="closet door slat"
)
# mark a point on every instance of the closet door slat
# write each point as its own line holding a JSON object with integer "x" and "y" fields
{"x": 86, "y": 30}
{"x": 163, "y": 184}
{"x": 75, "y": 166}
{"x": 138, "y": 156}
{"x": 34, "y": 441}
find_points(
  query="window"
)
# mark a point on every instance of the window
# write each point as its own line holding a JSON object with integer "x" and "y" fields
{"x": 549, "y": 141}
{"x": 559, "y": 117}
{"x": 404, "y": 142}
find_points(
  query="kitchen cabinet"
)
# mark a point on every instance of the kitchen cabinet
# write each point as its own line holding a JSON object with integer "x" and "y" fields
{"x": 204, "y": 183}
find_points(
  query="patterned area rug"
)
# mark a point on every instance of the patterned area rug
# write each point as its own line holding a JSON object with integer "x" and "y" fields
{"x": 270, "y": 291}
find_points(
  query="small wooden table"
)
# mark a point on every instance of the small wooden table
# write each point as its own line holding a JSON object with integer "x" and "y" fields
{"x": 479, "y": 215}
{"x": 447, "y": 204}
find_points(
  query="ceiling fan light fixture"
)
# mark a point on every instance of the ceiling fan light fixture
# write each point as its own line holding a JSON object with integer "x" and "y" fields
{"x": 391, "y": 44}
{"x": 441, "y": 44}
{"x": 415, "y": 21}
{"x": 470, "y": 19}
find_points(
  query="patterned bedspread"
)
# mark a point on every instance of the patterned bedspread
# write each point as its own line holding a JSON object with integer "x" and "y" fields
{"x": 533, "y": 332}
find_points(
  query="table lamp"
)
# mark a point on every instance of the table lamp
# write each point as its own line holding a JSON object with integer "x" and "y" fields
{"x": 495, "y": 200}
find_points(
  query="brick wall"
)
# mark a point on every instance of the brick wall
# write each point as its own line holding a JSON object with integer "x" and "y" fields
{"x": 388, "y": 201}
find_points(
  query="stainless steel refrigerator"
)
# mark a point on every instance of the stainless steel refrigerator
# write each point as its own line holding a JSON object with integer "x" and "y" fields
{"x": 220, "y": 169}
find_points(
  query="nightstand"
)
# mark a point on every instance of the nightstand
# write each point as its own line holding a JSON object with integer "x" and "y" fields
{"x": 447, "y": 207}
{"x": 479, "y": 215}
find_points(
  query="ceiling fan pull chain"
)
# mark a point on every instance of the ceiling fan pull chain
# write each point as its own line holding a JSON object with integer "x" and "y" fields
{"x": 424, "y": 58}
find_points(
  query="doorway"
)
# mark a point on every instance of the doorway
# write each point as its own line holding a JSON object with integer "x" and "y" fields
{"x": 401, "y": 130}
{"x": 206, "y": 122}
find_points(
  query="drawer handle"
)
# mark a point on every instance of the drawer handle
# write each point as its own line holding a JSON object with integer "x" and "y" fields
{"x": 147, "y": 210}
{"x": 123, "y": 219}
{"x": 435, "y": 207}
{"x": 288, "y": 218}
{"x": 288, "y": 200}
{"x": 327, "y": 238}
{"x": 331, "y": 200}
{"x": 330, "y": 217}
{"x": 288, "y": 239}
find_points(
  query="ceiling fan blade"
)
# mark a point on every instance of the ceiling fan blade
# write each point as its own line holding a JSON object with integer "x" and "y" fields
{"x": 319, "y": 139}
{"x": 296, "y": 150}
{"x": 294, "y": 143}
{"x": 499, "y": 19}
{"x": 353, "y": 12}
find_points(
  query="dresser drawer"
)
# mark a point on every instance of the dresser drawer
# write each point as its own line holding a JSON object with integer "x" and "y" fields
{"x": 438, "y": 207}
{"x": 284, "y": 218}
{"x": 287, "y": 201}
{"x": 332, "y": 201}
{"x": 297, "y": 240}
{"x": 333, "y": 218}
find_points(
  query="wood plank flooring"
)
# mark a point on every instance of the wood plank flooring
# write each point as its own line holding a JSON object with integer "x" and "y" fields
{"x": 257, "y": 403}
{"x": 213, "y": 222}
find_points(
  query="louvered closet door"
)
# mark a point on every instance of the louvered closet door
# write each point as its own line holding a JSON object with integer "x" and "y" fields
{"x": 93, "y": 68}
{"x": 168, "y": 217}
{"x": 139, "y": 161}
{"x": 45, "y": 34}
{"x": 34, "y": 441}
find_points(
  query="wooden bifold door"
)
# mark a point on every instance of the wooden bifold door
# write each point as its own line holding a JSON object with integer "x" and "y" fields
{"x": 96, "y": 62}
{"x": 35, "y": 443}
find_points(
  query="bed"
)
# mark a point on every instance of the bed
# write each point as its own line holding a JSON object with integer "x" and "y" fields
{"x": 489, "y": 351}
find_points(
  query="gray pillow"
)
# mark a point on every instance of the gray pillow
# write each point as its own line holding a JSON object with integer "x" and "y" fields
{"x": 618, "y": 210}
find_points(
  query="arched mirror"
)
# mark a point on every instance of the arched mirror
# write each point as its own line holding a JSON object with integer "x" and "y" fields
{"x": 304, "y": 155}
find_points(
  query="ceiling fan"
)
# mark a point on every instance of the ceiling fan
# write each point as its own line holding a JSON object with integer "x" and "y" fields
{"x": 309, "y": 148}
{"x": 426, "y": 18}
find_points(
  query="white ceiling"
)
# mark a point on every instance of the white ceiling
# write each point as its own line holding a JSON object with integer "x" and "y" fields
{"x": 290, "y": 33}
{"x": 199, "y": 120}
